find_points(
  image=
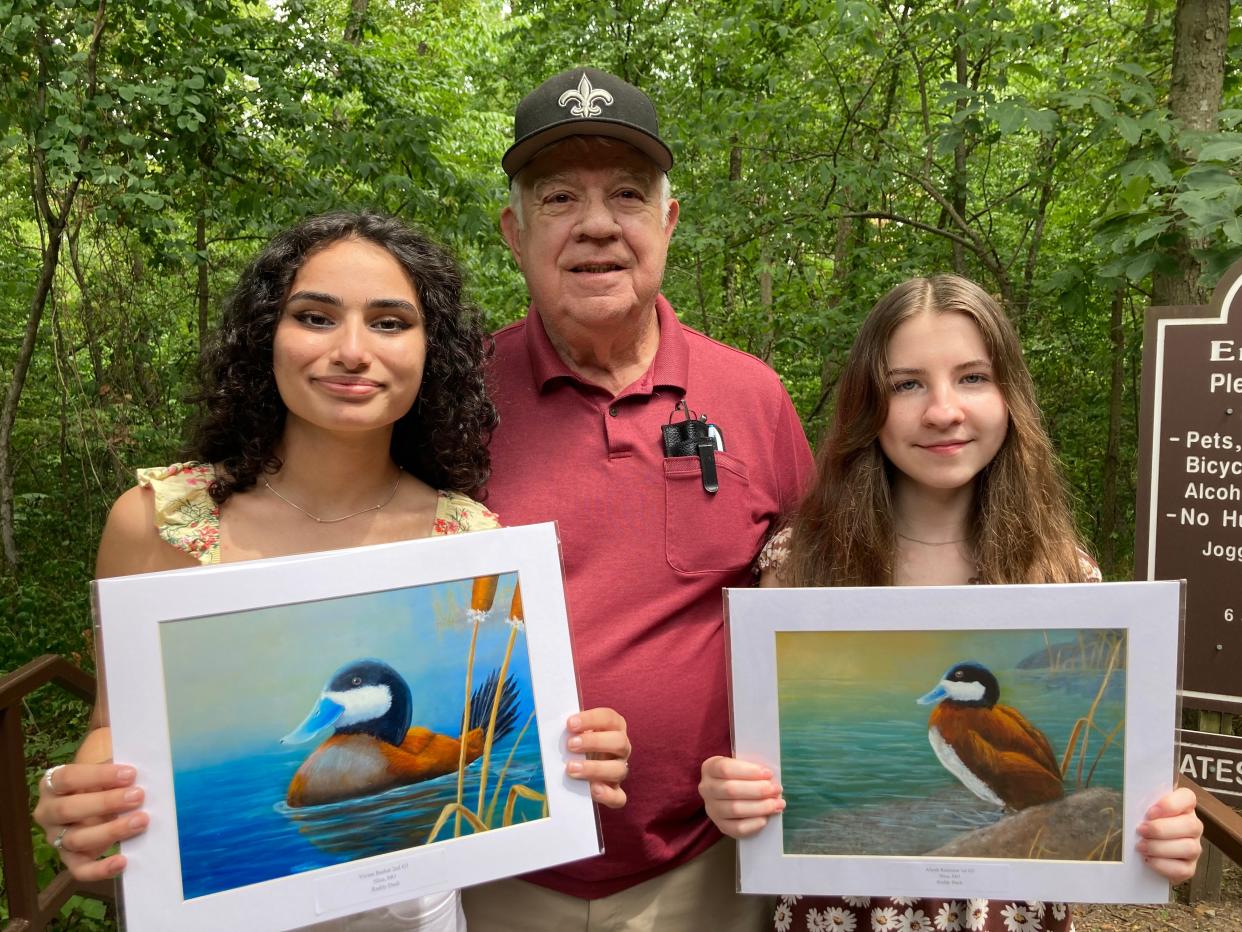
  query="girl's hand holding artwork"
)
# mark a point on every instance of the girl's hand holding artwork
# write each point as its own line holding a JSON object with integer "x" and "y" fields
{"x": 739, "y": 796}
{"x": 600, "y": 734}
{"x": 1169, "y": 839}
{"x": 85, "y": 809}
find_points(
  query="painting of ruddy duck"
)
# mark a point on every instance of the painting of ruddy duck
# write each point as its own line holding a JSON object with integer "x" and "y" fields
{"x": 372, "y": 746}
{"x": 1015, "y": 751}
{"x": 421, "y": 729}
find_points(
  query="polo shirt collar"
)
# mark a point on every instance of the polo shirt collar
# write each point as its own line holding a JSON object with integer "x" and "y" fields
{"x": 670, "y": 368}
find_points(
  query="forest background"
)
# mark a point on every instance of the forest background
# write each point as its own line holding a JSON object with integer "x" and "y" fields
{"x": 1081, "y": 160}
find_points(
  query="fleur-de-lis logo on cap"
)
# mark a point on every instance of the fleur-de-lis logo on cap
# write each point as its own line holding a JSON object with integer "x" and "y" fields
{"x": 584, "y": 99}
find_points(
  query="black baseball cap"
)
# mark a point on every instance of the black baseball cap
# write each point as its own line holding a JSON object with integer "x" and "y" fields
{"x": 584, "y": 102}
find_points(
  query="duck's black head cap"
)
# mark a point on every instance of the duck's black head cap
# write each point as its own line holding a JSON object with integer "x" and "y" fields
{"x": 972, "y": 672}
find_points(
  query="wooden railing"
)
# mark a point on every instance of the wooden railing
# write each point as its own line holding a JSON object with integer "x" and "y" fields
{"x": 1222, "y": 838}
{"x": 1222, "y": 826}
{"x": 32, "y": 909}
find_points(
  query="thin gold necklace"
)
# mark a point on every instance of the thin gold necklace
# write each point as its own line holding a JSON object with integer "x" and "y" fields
{"x": 932, "y": 543}
{"x": 318, "y": 520}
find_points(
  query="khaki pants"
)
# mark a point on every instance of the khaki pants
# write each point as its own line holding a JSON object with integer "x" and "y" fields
{"x": 699, "y": 894}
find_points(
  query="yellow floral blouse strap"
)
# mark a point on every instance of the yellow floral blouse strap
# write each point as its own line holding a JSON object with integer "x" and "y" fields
{"x": 458, "y": 514}
{"x": 186, "y": 517}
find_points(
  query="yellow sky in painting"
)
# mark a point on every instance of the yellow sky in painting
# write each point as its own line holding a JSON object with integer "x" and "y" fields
{"x": 891, "y": 655}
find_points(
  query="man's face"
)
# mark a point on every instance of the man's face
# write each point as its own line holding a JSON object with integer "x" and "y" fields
{"x": 594, "y": 242}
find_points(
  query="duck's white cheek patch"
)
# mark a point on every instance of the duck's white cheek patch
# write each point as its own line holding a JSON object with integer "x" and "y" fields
{"x": 963, "y": 692}
{"x": 954, "y": 765}
{"x": 362, "y": 704}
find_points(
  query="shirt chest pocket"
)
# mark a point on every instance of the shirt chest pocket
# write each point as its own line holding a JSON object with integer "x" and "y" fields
{"x": 708, "y": 532}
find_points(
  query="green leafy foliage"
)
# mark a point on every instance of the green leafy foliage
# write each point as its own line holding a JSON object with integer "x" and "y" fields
{"x": 826, "y": 150}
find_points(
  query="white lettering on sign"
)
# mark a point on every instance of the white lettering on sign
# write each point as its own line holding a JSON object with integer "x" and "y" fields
{"x": 1215, "y": 773}
{"x": 1215, "y": 441}
{"x": 1220, "y": 493}
{"x": 1231, "y": 384}
{"x": 1222, "y": 468}
{"x": 1193, "y": 516}
{"x": 1227, "y": 552}
{"x": 1223, "y": 351}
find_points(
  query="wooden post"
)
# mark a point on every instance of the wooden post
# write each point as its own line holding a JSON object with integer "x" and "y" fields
{"x": 1205, "y": 884}
{"x": 20, "y": 879}
{"x": 32, "y": 909}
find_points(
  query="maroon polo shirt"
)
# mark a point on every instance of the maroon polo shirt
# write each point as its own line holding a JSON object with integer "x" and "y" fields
{"x": 646, "y": 553}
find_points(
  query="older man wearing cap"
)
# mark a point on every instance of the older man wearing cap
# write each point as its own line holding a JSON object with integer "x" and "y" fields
{"x": 666, "y": 458}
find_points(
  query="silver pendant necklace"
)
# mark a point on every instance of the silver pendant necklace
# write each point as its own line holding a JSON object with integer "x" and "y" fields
{"x": 932, "y": 543}
{"x": 318, "y": 520}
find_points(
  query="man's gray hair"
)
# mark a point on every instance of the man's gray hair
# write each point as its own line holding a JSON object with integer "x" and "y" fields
{"x": 518, "y": 186}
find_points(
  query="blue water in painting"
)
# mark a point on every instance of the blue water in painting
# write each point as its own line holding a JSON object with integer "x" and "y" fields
{"x": 235, "y": 828}
{"x": 861, "y": 777}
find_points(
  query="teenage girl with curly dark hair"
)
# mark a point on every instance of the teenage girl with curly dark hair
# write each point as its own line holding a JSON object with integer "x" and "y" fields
{"x": 441, "y": 439}
{"x": 342, "y": 404}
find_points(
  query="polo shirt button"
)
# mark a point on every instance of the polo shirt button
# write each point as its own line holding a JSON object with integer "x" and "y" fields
{"x": 613, "y": 410}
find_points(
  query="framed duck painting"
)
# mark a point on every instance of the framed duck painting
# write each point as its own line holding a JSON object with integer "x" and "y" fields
{"x": 957, "y": 742}
{"x": 322, "y": 735}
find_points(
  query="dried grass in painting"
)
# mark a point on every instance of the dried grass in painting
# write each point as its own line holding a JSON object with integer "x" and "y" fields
{"x": 482, "y": 597}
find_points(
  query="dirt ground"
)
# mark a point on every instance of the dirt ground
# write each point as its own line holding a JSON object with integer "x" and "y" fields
{"x": 1223, "y": 915}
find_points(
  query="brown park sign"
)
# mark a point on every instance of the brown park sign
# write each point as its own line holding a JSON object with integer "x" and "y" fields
{"x": 1189, "y": 516}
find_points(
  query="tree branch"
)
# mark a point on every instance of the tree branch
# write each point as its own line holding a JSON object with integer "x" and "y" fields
{"x": 911, "y": 222}
{"x": 972, "y": 239}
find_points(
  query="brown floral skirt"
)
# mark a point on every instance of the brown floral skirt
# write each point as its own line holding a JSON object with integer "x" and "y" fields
{"x": 903, "y": 914}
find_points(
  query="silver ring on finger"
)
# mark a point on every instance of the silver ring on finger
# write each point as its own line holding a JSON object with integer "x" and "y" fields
{"x": 59, "y": 840}
{"x": 47, "y": 778}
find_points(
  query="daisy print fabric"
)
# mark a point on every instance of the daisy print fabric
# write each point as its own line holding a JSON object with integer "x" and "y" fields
{"x": 905, "y": 914}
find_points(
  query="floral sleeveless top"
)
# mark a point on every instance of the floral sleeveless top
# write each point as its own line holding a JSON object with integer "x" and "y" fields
{"x": 188, "y": 519}
{"x": 909, "y": 914}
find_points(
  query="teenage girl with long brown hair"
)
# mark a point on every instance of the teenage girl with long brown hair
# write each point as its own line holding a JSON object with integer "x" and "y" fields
{"x": 937, "y": 471}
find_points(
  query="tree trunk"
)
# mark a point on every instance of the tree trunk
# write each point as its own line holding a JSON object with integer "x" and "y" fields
{"x": 200, "y": 249}
{"x": 60, "y": 350}
{"x": 728, "y": 287}
{"x": 1106, "y": 541}
{"x": 1048, "y": 163}
{"x": 843, "y": 250}
{"x": 8, "y": 415}
{"x": 765, "y": 298}
{"x": 705, "y": 322}
{"x": 353, "y": 25}
{"x": 1200, "y": 38}
{"x": 1200, "y": 41}
{"x": 958, "y": 192}
{"x": 89, "y": 311}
